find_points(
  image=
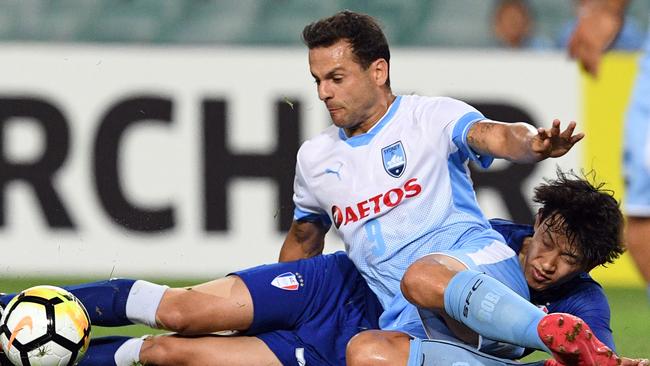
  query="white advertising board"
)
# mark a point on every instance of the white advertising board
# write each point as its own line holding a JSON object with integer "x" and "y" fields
{"x": 110, "y": 155}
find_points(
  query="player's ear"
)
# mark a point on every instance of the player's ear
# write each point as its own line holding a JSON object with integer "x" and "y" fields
{"x": 379, "y": 71}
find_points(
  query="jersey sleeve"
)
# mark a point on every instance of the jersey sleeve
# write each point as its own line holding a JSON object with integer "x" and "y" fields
{"x": 591, "y": 305}
{"x": 306, "y": 205}
{"x": 455, "y": 119}
{"x": 513, "y": 233}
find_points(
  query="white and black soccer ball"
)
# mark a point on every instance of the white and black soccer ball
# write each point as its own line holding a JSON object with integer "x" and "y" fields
{"x": 44, "y": 326}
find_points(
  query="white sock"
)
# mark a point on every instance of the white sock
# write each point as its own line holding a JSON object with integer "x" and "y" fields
{"x": 129, "y": 352}
{"x": 143, "y": 301}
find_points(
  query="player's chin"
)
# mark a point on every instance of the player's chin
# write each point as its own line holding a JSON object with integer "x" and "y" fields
{"x": 339, "y": 120}
{"x": 538, "y": 285}
{"x": 538, "y": 288}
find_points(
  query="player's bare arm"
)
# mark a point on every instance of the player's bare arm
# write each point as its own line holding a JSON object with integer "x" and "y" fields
{"x": 304, "y": 239}
{"x": 595, "y": 30}
{"x": 521, "y": 142}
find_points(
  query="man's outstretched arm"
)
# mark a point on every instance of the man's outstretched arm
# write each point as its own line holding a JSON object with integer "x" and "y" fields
{"x": 521, "y": 142}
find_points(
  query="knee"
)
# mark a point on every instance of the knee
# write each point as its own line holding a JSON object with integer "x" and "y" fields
{"x": 377, "y": 348}
{"x": 162, "y": 350}
{"x": 172, "y": 315}
{"x": 424, "y": 282}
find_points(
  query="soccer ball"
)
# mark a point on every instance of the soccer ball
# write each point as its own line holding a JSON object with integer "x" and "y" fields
{"x": 44, "y": 326}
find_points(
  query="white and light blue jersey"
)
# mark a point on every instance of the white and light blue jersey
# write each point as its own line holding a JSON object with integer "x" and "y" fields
{"x": 398, "y": 192}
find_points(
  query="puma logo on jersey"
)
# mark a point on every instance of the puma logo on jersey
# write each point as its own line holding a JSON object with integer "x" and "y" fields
{"x": 375, "y": 204}
{"x": 335, "y": 172}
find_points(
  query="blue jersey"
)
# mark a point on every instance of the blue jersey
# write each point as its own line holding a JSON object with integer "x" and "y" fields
{"x": 580, "y": 296}
{"x": 307, "y": 310}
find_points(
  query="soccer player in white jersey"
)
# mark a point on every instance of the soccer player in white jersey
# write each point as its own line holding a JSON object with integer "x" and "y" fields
{"x": 402, "y": 200}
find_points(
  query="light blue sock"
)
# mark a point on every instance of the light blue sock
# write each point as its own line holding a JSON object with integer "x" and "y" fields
{"x": 648, "y": 291}
{"x": 431, "y": 352}
{"x": 491, "y": 309}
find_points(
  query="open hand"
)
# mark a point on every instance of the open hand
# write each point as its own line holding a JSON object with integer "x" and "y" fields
{"x": 552, "y": 143}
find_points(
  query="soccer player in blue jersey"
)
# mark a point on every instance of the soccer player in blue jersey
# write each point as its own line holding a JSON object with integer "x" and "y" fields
{"x": 577, "y": 228}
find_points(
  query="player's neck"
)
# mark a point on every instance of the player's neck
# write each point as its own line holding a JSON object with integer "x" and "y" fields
{"x": 373, "y": 118}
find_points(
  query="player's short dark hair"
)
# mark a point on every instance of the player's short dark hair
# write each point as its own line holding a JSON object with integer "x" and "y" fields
{"x": 586, "y": 213}
{"x": 362, "y": 31}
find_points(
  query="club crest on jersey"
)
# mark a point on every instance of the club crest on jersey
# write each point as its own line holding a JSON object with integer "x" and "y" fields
{"x": 288, "y": 281}
{"x": 394, "y": 159}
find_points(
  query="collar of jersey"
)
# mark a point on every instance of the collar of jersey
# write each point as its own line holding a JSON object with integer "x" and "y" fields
{"x": 365, "y": 138}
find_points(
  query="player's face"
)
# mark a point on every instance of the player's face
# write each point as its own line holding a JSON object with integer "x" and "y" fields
{"x": 547, "y": 259}
{"x": 350, "y": 92}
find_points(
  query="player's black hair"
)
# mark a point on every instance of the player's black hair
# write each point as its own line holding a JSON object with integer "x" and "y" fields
{"x": 587, "y": 214}
{"x": 362, "y": 31}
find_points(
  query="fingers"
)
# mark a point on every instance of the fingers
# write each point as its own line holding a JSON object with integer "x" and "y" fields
{"x": 567, "y": 134}
{"x": 590, "y": 62}
{"x": 543, "y": 133}
{"x": 569, "y": 130}
{"x": 587, "y": 56}
{"x": 555, "y": 128}
{"x": 577, "y": 137}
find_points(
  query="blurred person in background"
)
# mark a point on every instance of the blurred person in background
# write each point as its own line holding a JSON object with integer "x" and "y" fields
{"x": 597, "y": 29}
{"x": 629, "y": 38}
{"x": 513, "y": 26}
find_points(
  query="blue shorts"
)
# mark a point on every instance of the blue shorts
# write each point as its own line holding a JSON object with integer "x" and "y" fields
{"x": 636, "y": 155}
{"x": 309, "y": 309}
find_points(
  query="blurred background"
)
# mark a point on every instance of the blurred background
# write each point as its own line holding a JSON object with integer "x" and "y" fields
{"x": 419, "y": 23}
{"x": 157, "y": 138}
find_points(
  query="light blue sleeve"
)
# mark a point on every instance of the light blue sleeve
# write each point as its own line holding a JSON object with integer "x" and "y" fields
{"x": 459, "y": 137}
